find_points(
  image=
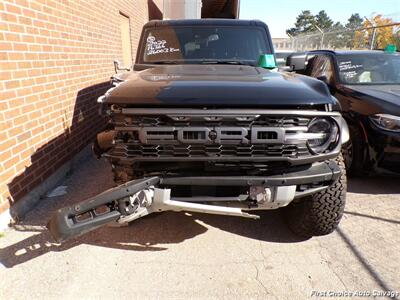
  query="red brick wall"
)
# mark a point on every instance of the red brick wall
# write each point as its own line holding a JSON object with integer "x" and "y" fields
{"x": 55, "y": 60}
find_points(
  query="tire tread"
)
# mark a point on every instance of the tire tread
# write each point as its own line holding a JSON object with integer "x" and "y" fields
{"x": 319, "y": 214}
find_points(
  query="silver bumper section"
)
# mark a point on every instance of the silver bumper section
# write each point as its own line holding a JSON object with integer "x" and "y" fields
{"x": 138, "y": 198}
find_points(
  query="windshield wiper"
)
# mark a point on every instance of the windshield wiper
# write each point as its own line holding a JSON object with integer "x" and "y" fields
{"x": 205, "y": 62}
{"x": 227, "y": 62}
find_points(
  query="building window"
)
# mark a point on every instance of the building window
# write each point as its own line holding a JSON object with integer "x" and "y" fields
{"x": 126, "y": 40}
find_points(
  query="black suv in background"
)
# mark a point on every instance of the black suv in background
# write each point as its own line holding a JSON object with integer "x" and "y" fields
{"x": 367, "y": 85}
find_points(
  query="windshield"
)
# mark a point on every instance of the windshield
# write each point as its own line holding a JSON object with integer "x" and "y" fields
{"x": 381, "y": 68}
{"x": 211, "y": 44}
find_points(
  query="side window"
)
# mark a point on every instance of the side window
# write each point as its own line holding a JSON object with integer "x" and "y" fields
{"x": 322, "y": 65}
{"x": 126, "y": 40}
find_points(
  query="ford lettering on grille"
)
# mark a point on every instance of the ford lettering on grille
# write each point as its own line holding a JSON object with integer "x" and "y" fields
{"x": 206, "y": 135}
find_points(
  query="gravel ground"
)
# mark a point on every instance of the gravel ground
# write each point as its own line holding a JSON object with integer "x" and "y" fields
{"x": 180, "y": 255}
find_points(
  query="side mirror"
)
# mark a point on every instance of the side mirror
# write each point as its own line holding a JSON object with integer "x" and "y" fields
{"x": 297, "y": 62}
{"x": 117, "y": 67}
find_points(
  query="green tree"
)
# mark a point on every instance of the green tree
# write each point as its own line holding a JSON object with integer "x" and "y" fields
{"x": 323, "y": 21}
{"x": 304, "y": 24}
{"x": 355, "y": 21}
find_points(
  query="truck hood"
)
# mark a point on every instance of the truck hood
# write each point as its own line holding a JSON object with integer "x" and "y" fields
{"x": 217, "y": 85}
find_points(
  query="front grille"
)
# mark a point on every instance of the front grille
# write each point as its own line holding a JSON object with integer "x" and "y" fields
{"x": 141, "y": 150}
{"x": 202, "y": 137}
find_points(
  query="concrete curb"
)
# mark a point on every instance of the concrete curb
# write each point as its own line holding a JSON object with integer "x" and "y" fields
{"x": 29, "y": 201}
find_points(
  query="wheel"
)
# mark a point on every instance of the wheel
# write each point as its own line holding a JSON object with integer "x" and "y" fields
{"x": 320, "y": 213}
{"x": 354, "y": 153}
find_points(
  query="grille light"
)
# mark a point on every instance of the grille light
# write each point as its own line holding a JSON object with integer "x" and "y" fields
{"x": 326, "y": 133}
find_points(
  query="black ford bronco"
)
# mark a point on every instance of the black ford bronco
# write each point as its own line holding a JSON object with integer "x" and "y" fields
{"x": 205, "y": 123}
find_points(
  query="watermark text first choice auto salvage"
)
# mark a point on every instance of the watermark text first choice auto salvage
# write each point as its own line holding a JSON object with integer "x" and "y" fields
{"x": 373, "y": 293}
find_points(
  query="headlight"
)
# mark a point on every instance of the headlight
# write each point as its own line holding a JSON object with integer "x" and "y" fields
{"x": 323, "y": 134}
{"x": 386, "y": 122}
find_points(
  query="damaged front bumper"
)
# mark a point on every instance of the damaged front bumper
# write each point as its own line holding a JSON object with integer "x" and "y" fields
{"x": 141, "y": 197}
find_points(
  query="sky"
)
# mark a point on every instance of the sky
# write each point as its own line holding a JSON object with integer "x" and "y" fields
{"x": 281, "y": 14}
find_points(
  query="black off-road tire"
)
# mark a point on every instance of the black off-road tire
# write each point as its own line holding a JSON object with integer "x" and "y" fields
{"x": 320, "y": 213}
